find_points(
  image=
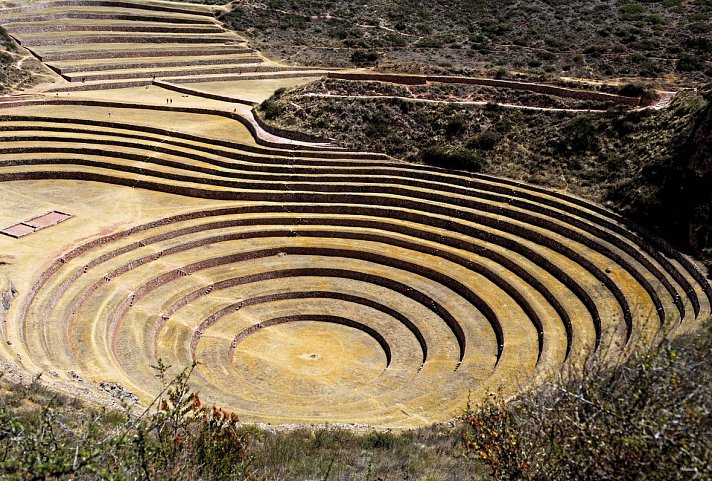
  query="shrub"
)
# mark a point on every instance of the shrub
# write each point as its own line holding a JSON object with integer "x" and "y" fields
{"x": 493, "y": 438}
{"x": 381, "y": 440}
{"x": 364, "y": 58}
{"x": 220, "y": 446}
{"x": 647, "y": 418}
{"x": 429, "y": 42}
{"x": 485, "y": 141}
{"x": 4, "y": 37}
{"x": 595, "y": 50}
{"x": 631, "y": 11}
{"x": 458, "y": 158}
{"x": 646, "y": 94}
{"x": 501, "y": 73}
{"x": 578, "y": 135}
{"x": 175, "y": 438}
{"x": 632, "y": 90}
{"x": 547, "y": 56}
{"x": 699, "y": 27}
{"x": 331, "y": 438}
{"x": 707, "y": 261}
{"x": 689, "y": 63}
{"x": 272, "y": 108}
{"x": 455, "y": 124}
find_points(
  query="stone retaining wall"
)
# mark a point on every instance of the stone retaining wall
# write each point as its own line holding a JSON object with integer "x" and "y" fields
{"x": 115, "y": 28}
{"x": 237, "y": 70}
{"x": 233, "y": 78}
{"x": 200, "y": 93}
{"x": 105, "y": 86}
{"x": 159, "y": 51}
{"x": 7, "y": 20}
{"x": 380, "y": 77}
{"x": 74, "y": 40}
{"x": 154, "y": 65}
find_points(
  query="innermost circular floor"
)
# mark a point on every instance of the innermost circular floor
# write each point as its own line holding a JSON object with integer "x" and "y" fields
{"x": 308, "y": 357}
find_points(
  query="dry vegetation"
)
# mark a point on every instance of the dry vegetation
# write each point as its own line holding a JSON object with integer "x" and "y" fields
{"x": 615, "y": 38}
{"x": 18, "y": 69}
{"x": 647, "y": 418}
{"x": 44, "y": 435}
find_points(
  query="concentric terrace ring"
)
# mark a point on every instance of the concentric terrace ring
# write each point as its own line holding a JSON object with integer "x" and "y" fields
{"x": 335, "y": 286}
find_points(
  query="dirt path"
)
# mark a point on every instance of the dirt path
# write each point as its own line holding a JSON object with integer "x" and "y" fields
{"x": 477, "y": 103}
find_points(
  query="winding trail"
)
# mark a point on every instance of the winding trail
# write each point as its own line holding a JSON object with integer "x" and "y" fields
{"x": 434, "y": 101}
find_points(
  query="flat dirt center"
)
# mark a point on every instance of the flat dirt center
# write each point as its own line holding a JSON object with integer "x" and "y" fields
{"x": 309, "y": 357}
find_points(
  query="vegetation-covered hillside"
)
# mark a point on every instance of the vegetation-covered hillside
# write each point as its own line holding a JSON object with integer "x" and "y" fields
{"x": 18, "y": 69}
{"x": 612, "y": 38}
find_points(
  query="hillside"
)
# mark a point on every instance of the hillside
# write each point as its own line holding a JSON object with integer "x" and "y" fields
{"x": 18, "y": 69}
{"x": 663, "y": 40}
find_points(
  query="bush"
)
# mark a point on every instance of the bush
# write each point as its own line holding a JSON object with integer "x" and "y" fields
{"x": 455, "y": 124}
{"x": 632, "y": 90}
{"x": 645, "y": 419}
{"x": 458, "y": 158}
{"x": 690, "y": 63}
{"x": 272, "y": 108}
{"x": 429, "y": 42}
{"x": 631, "y": 11}
{"x": 595, "y": 50}
{"x": 485, "y": 141}
{"x": 175, "y": 438}
{"x": 364, "y": 58}
{"x": 220, "y": 446}
{"x": 381, "y": 440}
{"x": 578, "y": 135}
{"x": 501, "y": 73}
{"x": 492, "y": 437}
{"x": 645, "y": 93}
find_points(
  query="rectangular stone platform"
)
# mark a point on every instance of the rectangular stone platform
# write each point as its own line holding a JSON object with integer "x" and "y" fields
{"x": 34, "y": 224}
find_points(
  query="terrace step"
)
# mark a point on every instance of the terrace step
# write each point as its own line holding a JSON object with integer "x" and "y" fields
{"x": 32, "y": 41}
{"x": 238, "y": 68}
{"x": 164, "y": 7}
{"x": 115, "y": 26}
{"x": 78, "y": 15}
{"x": 124, "y": 64}
{"x": 139, "y": 51}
